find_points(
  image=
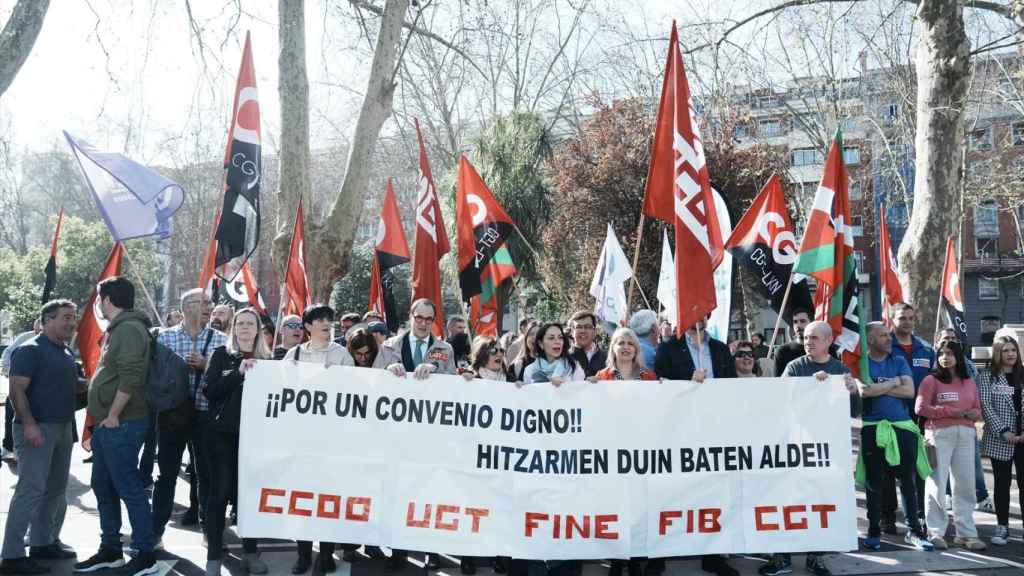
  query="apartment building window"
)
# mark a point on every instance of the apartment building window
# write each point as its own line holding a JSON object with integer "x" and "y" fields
{"x": 1017, "y": 134}
{"x": 848, "y": 124}
{"x": 892, "y": 112}
{"x": 988, "y": 289}
{"x": 989, "y": 326}
{"x": 851, "y": 155}
{"x": 981, "y": 139}
{"x": 740, "y": 131}
{"x": 769, "y": 127}
{"x": 858, "y": 262}
{"x": 805, "y": 157}
{"x": 855, "y": 190}
{"x": 986, "y": 220}
{"x": 857, "y": 223}
{"x": 986, "y": 247}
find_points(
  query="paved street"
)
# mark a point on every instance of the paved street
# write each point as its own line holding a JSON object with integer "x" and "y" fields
{"x": 184, "y": 553}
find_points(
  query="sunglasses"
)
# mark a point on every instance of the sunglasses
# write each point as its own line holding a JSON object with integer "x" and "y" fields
{"x": 744, "y": 354}
{"x": 293, "y": 325}
{"x": 495, "y": 351}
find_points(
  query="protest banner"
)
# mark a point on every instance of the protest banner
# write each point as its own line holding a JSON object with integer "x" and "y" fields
{"x": 586, "y": 470}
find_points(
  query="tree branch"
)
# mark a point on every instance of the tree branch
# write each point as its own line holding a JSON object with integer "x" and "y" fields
{"x": 18, "y": 37}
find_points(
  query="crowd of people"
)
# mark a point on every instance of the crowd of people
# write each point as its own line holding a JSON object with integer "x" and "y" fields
{"x": 919, "y": 412}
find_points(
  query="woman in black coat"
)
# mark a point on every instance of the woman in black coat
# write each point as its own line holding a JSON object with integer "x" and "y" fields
{"x": 225, "y": 375}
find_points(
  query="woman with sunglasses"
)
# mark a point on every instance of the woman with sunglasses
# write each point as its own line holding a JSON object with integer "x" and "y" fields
{"x": 745, "y": 358}
{"x": 225, "y": 375}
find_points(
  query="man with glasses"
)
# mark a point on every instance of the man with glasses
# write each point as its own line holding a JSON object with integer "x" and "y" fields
{"x": 177, "y": 429}
{"x": 422, "y": 355}
{"x": 291, "y": 335}
{"x": 584, "y": 349}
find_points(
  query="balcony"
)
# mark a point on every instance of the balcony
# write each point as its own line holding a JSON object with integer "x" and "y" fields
{"x": 994, "y": 265}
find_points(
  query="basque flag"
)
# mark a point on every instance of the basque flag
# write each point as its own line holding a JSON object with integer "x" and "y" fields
{"x": 239, "y": 229}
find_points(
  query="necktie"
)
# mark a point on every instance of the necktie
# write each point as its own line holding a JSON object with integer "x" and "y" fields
{"x": 417, "y": 354}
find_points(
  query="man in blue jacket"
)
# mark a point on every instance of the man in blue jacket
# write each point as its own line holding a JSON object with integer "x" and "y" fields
{"x": 920, "y": 356}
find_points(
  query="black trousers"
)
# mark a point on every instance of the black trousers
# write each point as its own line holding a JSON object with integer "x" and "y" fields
{"x": 171, "y": 445}
{"x": 8, "y": 443}
{"x": 1003, "y": 471}
{"x": 223, "y": 451}
{"x": 876, "y": 467}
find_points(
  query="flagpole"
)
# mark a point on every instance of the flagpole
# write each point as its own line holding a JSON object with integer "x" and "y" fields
{"x": 636, "y": 260}
{"x": 142, "y": 283}
{"x": 280, "y": 309}
{"x": 778, "y": 319}
{"x": 639, "y": 287}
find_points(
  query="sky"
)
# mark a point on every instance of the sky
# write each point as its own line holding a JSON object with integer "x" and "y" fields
{"x": 127, "y": 75}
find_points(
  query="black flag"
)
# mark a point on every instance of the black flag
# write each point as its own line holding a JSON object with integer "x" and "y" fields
{"x": 51, "y": 264}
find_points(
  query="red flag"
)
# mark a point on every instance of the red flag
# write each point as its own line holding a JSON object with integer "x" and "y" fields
{"x": 482, "y": 226}
{"x": 251, "y": 290}
{"x": 91, "y": 326}
{"x": 51, "y": 264}
{"x": 892, "y": 291}
{"x": 950, "y": 296}
{"x": 431, "y": 240}
{"x": 207, "y": 279}
{"x": 484, "y": 308}
{"x": 296, "y": 280}
{"x": 238, "y": 231}
{"x": 390, "y": 250}
{"x": 679, "y": 191}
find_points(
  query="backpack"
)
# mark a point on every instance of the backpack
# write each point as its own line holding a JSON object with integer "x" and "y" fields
{"x": 167, "y": 378}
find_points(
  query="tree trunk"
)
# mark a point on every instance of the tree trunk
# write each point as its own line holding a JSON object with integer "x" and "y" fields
{"x": 943, "y": 68}
{"x": 293, "y": 89}
{"x": 18, "y": 37}
{"x": 331, "y": 244}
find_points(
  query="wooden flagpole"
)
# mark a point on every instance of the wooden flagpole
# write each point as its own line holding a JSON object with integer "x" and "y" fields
{"x": 778, "y": 319}
{"x": 142, "y": 283}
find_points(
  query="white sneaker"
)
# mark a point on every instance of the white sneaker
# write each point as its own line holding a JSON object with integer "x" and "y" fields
{"x": 987, "y": 506}
{"x": 8, "y": 455}
{"x": 1001, "y": 536}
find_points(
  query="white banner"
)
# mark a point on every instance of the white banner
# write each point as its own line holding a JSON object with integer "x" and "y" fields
{"x": 587, "y": 470}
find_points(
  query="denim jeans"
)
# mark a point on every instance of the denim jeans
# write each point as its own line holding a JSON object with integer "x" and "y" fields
{"x": 148, "y": 452}
{"x": 116, "y": 478}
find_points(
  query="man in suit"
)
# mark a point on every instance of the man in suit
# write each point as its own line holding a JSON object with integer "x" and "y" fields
{"x": 674, "y": 360}
{"x": 584, "y": 349}
{"x": 422, "y": 354}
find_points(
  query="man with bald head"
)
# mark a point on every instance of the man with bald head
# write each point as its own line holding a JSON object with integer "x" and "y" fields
{"x": 292, "y": 335}
{"x": 817, "y": 362}
{"x": 887, "y": 422}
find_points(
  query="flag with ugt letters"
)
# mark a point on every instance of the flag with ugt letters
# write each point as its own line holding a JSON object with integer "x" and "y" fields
{"x": 679, "y": 191}
{"x": 238, "y": 231}
{"x": 826, "y": 253}
{"x": 431, "y": 240}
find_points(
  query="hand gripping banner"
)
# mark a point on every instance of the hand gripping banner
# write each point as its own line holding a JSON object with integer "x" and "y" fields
{"x": 602, "y": 470}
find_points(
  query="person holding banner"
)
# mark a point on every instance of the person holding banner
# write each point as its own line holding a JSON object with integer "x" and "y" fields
{"x": 746, "y": 359}
{"x": 948, "y": 398}
{"x": 487, "y": 360}
{"x": 553, "y": 362}
{"x": 318, "y": 319}
{"x": 626, "y": 362}
{"x": 366, "y": 350}
{"x": 422, "y": 353}
{"x": 225, "y": 376}
{"x": 291, "y": 334}
{"x": 817, "y": 362}
{"x": 585, "y": 350}
{"x": 696, "y": 356}
{"x": 1003, "y": 442}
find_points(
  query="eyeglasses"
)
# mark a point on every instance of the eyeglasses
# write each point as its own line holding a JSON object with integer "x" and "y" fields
{"x": 744, "y": 354}
{"x": 493, "y": 351}
{"x": 423, "y": 319}
{"x": 583, "y": 326}
{"x": 293, "y": 325}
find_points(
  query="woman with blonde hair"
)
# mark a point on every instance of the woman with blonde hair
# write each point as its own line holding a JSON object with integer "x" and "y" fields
{"x": 1000, "y": 389}
{"x": 625, "y": 360}
{"x": 225, "y": 375}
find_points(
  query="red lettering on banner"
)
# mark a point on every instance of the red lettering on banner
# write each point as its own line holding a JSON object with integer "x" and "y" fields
{"x": 439, "y": 522}
{"x": 709, "y": 520}
{"x": 265, "y": 495}
{"x": 794, "y": 517}
{"x": 477, "y": 514}
{"x": 602, "y": 532}
{"x": 583, "y": 529}
{"x": 823, "y": 511}
{"x": 350, "y": 508}
{"x": 321, "y": 506}
{"x": 789, "y": 522}
{"x": 759, "y": 522}
{"x": 410, "y": 517}
{"x": 293, "y": 503}
{"x": 665, "y": 519}
{"x": 533, "y": 521}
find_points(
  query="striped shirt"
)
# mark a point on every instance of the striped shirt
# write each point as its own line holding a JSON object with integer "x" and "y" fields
{"x": 178, "y": 340}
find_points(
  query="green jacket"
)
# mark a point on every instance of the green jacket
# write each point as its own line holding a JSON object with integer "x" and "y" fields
{"x": 122, "y": 367}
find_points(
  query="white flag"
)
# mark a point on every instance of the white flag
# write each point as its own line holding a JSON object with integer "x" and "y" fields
{"x": 718, "y": 322}
{"x": 667, "y": 279}
{"x": 612, "y": 270}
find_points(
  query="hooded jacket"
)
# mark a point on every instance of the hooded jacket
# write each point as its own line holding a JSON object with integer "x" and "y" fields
{"x": 122, "y": 367}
